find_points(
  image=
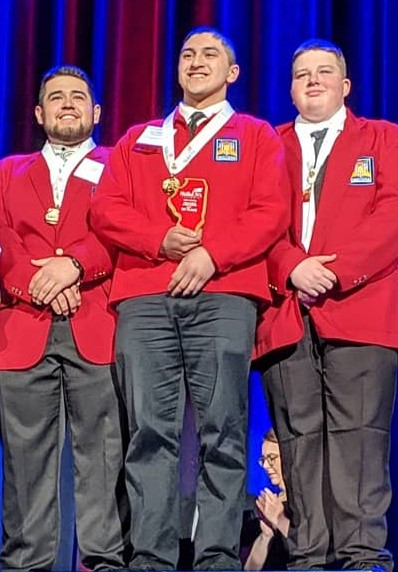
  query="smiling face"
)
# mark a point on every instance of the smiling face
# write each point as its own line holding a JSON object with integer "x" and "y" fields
{"x": 205, "y": 70}
{"x": 67, "y": 112}
{"x": 318, "y": 85}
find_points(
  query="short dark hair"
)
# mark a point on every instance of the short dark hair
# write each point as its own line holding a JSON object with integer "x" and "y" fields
{"x": 226, "y": 42}
{"x": 73, "y": 71}
{"x": 324, "y": 46}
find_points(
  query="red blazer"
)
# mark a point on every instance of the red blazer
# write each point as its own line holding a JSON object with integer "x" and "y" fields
{"x": 25, "y": 195}
{"x": 247, "y": 208}
{"x": 356, "y": 220}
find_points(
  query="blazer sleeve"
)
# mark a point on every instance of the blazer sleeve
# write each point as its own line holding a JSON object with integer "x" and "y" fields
{"x": 267, "y": 216}
{"x": 96, "y": 259}
{"x": 282, "y": 259}
{"x": 16, "y": 270}
{"x": 113, "y": 215}
{"x": 370, "y": 252}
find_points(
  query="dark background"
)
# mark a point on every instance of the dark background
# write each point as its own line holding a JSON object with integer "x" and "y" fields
{"x": 130, "y": 48}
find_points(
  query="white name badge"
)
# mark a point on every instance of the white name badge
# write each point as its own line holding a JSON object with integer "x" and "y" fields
{"x": 89, "y": 170}
{"x": 152, "y": 135}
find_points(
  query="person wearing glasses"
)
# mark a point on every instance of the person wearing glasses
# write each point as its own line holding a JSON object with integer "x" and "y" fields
{"x": 269, "y": 550}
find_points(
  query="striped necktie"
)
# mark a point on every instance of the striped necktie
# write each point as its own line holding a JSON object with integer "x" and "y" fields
{"x": 193, "y": 122}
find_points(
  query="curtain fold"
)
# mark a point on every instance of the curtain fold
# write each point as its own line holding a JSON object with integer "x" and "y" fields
{"x": 130, "y": 48}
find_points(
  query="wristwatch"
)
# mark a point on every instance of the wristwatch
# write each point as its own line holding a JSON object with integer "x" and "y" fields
{"x": 77, "y": 265}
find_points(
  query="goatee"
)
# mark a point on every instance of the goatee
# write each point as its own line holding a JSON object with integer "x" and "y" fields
{"x": 70, "y": 135}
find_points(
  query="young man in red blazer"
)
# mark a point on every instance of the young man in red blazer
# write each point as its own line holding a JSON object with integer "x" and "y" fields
{"x": 330, "y": 337}
{"x": 191, "y": 213}
{"x": 56, "y": 339}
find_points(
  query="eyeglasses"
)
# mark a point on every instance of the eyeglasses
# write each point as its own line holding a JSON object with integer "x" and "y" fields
{"x": 270, "y": 459}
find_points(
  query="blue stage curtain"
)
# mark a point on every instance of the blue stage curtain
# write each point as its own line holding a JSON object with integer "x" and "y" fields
{"x": 131, "y": 48}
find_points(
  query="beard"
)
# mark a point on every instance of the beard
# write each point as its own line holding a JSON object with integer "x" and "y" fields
{"x": 70, "y": 135}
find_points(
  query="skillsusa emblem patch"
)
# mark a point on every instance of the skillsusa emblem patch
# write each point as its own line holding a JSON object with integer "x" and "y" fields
{"x": 226, "y": 150}
{"x": 363, "y": 173}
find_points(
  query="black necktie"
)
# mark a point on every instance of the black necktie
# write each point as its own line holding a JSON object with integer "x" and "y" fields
{"x": 318, "y": 137}
{"x": 193, "y": 122}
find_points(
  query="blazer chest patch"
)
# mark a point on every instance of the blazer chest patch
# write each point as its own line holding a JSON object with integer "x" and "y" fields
{"x": 226, "y": 150}
{"x": 363, "y": 173}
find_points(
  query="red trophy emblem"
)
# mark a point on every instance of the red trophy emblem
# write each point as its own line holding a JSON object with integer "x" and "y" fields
{"x": 187, "y": 203}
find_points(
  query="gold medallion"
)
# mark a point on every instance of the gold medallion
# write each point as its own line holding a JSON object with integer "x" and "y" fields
{"x": 52, "y": 216}
{"x": 171, "y": 185}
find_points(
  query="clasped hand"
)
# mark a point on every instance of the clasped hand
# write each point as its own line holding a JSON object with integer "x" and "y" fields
{"x": 178, "y": 241}
{"x": 312, "y": 278}
{"x": 195, "y": 266}
{"x": 56, "y": 284}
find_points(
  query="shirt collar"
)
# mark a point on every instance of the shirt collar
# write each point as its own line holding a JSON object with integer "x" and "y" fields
{"x": 87, "y": 145}
{"x": 187, "y": 110}
{"x": 337, "y": 119}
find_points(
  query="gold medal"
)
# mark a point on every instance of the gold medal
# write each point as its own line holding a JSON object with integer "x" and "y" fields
{"x": 171, "y": 185}
{"x": 52, "y": 216}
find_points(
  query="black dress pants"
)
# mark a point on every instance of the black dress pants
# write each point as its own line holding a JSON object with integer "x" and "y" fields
{"x": 166, "y": 346}
{"x": 331, "y": 403}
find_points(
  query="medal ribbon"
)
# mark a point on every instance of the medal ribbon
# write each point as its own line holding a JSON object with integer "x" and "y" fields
{"x": 177, "y": 164}
{"x": 310, "y": 167}
{"x": 60, "y": 172}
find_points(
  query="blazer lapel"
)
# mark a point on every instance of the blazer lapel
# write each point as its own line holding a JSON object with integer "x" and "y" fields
{"x": 339, "y": 169}
{"x": 294, "y": 159}
{"x": 76, "y": 185}
{"x": 39, "y": 176}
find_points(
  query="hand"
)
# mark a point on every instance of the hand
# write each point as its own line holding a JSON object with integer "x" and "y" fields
{"x": 178, "y": 241}
{"x": 306, "y": 300}
{"x": 56, "y": 273}
{"x": 270, "y": 507}
{"x": 312, "y": 277}
{"x": 67, "y": 302}
{"x": 192, "y": 273}
{"x": 266, "y": 529}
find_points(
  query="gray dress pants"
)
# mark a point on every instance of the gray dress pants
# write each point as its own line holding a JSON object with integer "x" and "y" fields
{"x": 32, "y": 430}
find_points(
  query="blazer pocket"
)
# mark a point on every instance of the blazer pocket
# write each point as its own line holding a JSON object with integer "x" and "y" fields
{"x": 145, "y": 149}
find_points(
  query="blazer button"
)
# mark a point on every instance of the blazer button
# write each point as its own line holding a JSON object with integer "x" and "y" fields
{"x": 59, "y": 251}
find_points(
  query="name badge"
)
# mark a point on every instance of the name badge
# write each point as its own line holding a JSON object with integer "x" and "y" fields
{"x": 89, "y": 170}
{"x": 152, "y": 135}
